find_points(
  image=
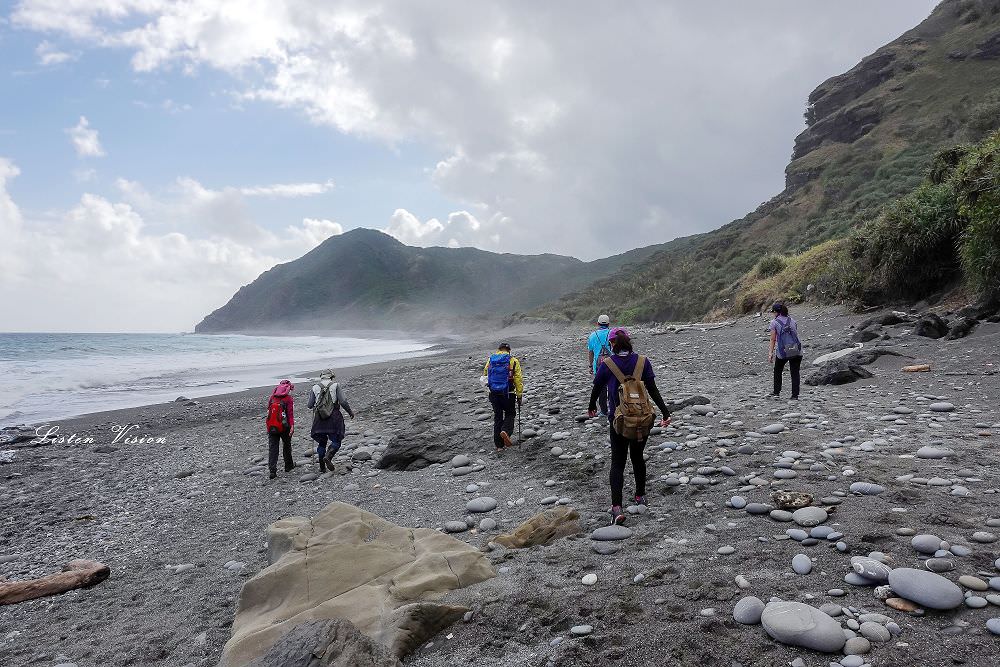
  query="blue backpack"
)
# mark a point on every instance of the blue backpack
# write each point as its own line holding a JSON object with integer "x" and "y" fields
{"x": 788, "y": 341}
{"x": 498, "y": 375}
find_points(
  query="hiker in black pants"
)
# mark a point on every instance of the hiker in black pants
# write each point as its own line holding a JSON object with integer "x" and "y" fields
{"x": 626, "y": 364}
{"x": 503, "y": 377}
{"x": 785, "y": 348}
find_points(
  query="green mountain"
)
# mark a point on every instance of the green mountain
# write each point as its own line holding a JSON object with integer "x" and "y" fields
{"x": 364, "y": 278}
{"x": 871, "y": 133}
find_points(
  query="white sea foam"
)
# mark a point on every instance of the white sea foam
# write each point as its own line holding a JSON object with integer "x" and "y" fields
{"x": 52, "y": 376}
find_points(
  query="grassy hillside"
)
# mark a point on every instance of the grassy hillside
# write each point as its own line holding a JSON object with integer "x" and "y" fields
{"x": 944, "y": 232}
{"x": 365, "y": 278}
{"x": 870, "y": 134}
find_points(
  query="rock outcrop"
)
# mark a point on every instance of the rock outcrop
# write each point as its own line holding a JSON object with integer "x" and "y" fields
{"x": 346, "y": 563}
{"x": 543, "y": 528}
{"x": 332, "y": 643}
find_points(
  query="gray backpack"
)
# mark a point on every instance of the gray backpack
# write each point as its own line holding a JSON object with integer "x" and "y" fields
{"x": 326, "y": 403}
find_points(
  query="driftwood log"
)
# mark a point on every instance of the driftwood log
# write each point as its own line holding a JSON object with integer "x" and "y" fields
{"x": 76, "y": 574}
{"x": 697, "y": 326}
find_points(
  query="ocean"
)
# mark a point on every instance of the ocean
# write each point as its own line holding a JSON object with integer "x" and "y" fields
{"x": 49, "y": 376}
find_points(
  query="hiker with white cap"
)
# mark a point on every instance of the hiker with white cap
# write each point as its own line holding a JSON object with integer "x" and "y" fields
{"x": 326, "y": 400}
{"x": 599, "y": 347}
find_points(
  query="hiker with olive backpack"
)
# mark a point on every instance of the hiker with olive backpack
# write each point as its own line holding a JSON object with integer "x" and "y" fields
{"x": 280, "y": 424}
{"x": 328, "y": 429}
{"x": 632, "y": 391}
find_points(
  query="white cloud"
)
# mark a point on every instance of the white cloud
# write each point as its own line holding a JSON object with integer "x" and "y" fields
{"x": 314, "y": 231}
{"x": 108, "y": 265}
{"x": 288, "y": 189}
{"x": 585, "y": 129}
{"x": 461, "y": 228}
{"x": 85, "y": 140}
{"x": 48, "y": 54}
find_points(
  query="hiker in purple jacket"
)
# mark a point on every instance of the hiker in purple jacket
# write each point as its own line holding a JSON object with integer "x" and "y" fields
{"x": 785, "y": 348}
{"x": 622, "y": 448}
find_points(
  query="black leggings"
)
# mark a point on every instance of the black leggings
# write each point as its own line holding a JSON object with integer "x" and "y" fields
{"x": 504, "y": 413}
{"x": 793, "y": 367}
{"x": 621, "y": 450}
{"x": 272, "y": 450}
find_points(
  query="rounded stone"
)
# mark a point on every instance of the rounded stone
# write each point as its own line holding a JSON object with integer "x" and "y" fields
{"x": 939, "y": 565}
{"x": 798, "y": 624}
{"x": 809, "y": 516}
{"x": 928, "y": 452}
{"x": 972, "y": 583}
{"x": 875, "y": 632}
{"x": 983, "y": 537}
{"x": 942, "y": 406}
{"x": 867, "y": 488}
{"x": 852, "y": 660}
{"x": 783, "y": 516}
{"x": 801, "y": 564}
{"x": 758, "y": 508}
{"x": 871, "y": 569}
{"x": 611, "y": 534}
{"x": 738, "y": 502}
{"x": 925, "y": 588}
{"x": 748, "y": 610}
{"x": 589, "y": 579}
{"x": 482, "y": 504}
{"x": 725, "y": 550}
{"x": 857, "y": 646}
{"x": 456, "y": 527}
{"x": 460, "y": 461}
{"x": 976, "y": 602}
{"x": 487, "y": 524}
{"x": 993, "y": 625}
{"x": 926, "y": 544}
{"x": 772, "y": 429}
{"x": 581, "y": 630}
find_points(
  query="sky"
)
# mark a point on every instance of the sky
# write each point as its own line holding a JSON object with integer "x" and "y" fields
{"x": 156, "y": 155}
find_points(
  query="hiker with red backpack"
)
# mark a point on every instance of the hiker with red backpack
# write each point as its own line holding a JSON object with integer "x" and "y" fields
{"x": 631, "y": 384}
{"x": 506, "y": 384}
{"x": 328, "y": 429}
{"x": 280, "y": 426}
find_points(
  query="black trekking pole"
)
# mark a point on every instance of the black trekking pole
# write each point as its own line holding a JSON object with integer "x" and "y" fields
{"x": 520, "y": 438}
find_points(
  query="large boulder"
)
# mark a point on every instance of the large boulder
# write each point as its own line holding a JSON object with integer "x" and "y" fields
{"x": 346, "y": 563}
{"x": 543, "y": 528}
{"x": 331, "y": 643}
{"x": 930, "y": 325}
{"x": 416, "y": 449}
{"x": 962, "y": 327}
{"x": 840, "y": 371}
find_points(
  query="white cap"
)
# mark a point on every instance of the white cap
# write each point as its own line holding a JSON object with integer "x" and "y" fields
{"x": 604, "y": 319}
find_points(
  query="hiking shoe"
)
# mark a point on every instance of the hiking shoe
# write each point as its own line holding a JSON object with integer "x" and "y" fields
{"x": 289, "y": 468}
{"x": 617, "y": 516}
{"x": 328, "y": 458}
{"x": 506, "y": 439}
{"x": 640, "y": 500}
{"x": 272, "y": 474}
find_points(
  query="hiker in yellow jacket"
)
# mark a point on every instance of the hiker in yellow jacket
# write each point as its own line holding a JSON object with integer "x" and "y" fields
{"x": 506, "y": 384}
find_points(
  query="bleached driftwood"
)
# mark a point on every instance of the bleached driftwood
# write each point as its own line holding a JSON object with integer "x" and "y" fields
{"x": 76, "y": 574}
{"x": 697, "y": 326}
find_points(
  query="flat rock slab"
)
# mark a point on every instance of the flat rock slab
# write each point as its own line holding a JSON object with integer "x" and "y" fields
{"x": 798, "y": 624}
{"x": 611, "y": 534}
{"x": 925, "y": 588}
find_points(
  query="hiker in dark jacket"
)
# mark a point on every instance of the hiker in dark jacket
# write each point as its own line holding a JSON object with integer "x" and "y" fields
{"x": 785, "y": 348}
{"x": 502, "y": 376}
{"x": 331, "y": 428}
{"x": 622, "y": 448}
{"x": 280, "y": 431}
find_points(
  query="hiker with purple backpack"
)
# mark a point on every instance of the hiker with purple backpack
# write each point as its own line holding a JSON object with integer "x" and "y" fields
{"x": 785, "y": 348}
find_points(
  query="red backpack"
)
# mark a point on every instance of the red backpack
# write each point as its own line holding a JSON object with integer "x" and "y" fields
{"x": 277, "y": 418}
